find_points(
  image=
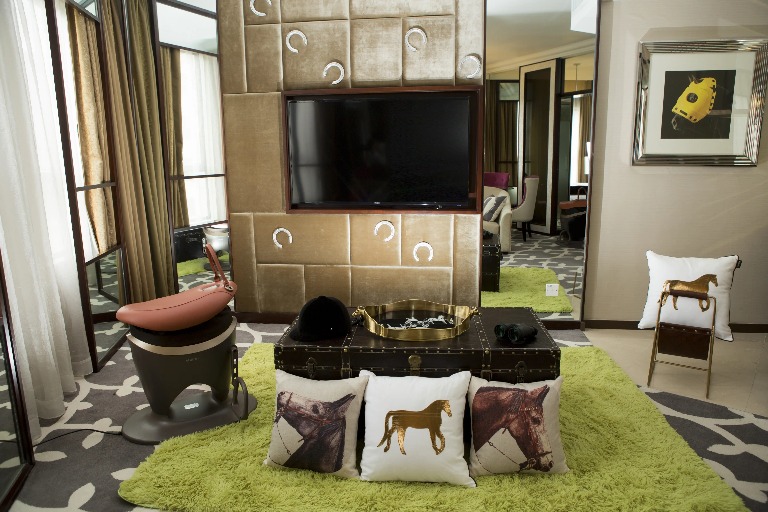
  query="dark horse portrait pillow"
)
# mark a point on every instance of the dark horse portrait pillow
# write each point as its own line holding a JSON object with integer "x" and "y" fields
{"x": 515, "y": 427}
{"x": 315, "y": 424}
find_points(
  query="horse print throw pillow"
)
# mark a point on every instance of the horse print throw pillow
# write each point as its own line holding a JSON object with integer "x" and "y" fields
{"x": 315, "y": 424}
{"x": 713, "y": 276}
{"x": 414, "y": 429}
{"x": 515, "y": 427}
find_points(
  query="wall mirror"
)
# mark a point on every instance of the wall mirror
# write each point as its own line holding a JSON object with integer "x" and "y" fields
{"x": 16, "y": 457}
{"x": 91, "y": 178}
{"x": 191, "y": 102}
{"x": 540, "y": 61}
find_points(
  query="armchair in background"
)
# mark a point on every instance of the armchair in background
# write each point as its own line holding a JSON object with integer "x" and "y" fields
{"x": 502, "y": 226}
{"x": 524, "y": 212}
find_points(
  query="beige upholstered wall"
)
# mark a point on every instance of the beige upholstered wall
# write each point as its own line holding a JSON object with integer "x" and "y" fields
{"x": 281, "y": 260}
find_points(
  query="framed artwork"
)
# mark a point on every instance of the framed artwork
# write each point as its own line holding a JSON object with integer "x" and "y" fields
{"x": 700, "y": 102}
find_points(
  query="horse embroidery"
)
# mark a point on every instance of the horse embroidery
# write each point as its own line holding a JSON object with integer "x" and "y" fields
{"x": 519, "y": 412}
{"x": 321, "y": 425}
{"x": 697, "y": 286}
{"x": 429, "y": 418}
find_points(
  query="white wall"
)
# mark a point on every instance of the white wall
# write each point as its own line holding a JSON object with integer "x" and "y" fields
{"x": 677, "y": 211}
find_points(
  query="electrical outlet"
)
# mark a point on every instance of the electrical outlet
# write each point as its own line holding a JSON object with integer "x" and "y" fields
{"x": 552, "y": 290}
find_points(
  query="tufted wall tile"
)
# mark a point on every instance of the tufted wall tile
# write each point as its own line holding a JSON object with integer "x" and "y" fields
{"x": 435, "y": 230}
{"x": 327, "y": 42}
{"x": 466, "y": 259}
{"x": 231, "y": 47}
{"x": 263, "y": 58}
{"x": 431, "y": 62}
{"x": 377, "y": 52}
{"x": 331, "y": 281}
{"x": 253, "y": 152}
{"x": 243, "y": 260}
{"x": 314, "y": 10}
{"x": 370, "y": 249}
{"x": 269, "y": 8}
{"x": 280, "y": 288}
{"x": 470, "y": 15}
{"x": 314, "y": 239}
{"x": 382, "y": 285}
{"x": 397, "y": 8}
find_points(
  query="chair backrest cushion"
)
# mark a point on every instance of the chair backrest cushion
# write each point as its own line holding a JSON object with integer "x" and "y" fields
{"x": 529, "y": 199}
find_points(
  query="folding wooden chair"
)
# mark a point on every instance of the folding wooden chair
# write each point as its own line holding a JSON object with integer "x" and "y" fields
{"x": 683, "y": 340}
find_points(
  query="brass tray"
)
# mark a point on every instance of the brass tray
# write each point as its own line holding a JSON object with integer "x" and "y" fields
{"x": 458, "y": 316}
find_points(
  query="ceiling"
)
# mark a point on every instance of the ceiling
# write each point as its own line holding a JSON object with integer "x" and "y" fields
{"x": 527, "y": 31}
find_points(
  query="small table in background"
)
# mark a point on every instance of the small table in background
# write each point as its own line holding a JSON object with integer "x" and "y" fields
{"x": 491, "y": 264}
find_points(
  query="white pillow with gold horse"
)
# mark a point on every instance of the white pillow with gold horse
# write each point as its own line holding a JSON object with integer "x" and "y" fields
{"x": 713, "y": 276}
{"x": 414, "y": 429}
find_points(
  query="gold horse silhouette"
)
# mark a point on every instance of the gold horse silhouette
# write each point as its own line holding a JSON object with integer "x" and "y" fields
{"x": 697, "y": 286}
{"x": 430, "y": 417}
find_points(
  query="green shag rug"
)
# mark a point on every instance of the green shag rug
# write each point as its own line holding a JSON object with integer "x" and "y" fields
{"x": 185, "y": 268}
{"x": 623, "y": 456}
{"x": 521, "y": 287}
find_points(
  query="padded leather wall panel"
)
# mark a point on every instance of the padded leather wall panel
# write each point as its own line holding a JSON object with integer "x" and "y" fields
{"x": 253, "y": 152}
{"x": 263, "y": 58}
{"x": 396, "y": 8}
{"x": 231, "y": 48}
{"x": 435, "y": 230}
{"x": 377, "y": 52}
{"x": 327, "y": 42}
{"x": 470, "y": 15}
{"x": 331, "y": 281}
{"x": 466, "y": 259}
{"x": 314, "y": 239}
{"x": 382, "y": 285}
{"x": 431, "y": 62}
{"x": 280, "y": 288}
{"x": 243, "y": 260}
{"x": 367, "y": 248}
{"x": 269, "y": 11}
{"x": 303, "y": 10}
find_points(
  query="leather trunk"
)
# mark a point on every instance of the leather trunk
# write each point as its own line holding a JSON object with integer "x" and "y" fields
{"x": 477, "y": 350}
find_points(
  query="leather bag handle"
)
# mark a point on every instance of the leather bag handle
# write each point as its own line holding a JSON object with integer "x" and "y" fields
{"x": 218, "y": 272}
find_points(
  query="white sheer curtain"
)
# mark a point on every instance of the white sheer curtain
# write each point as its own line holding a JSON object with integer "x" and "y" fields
{"x": 201, "y": 130}
{"x": 35, "y": 229}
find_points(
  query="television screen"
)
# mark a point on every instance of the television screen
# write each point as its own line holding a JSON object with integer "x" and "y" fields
{"x": 386, "y": 150}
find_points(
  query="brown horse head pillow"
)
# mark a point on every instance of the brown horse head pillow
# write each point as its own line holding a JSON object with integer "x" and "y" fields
{"x": 515, "y": 427}
{"x": 315, "y": 424}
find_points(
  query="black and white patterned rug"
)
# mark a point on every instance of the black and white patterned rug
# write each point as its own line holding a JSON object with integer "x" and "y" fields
{"x": 81, "y": 472}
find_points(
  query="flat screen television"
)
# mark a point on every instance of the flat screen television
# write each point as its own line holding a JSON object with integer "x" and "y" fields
{"x": 400, "y": 149}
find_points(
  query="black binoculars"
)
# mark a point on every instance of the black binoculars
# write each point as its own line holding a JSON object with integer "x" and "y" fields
{"x": 516, "y": 334}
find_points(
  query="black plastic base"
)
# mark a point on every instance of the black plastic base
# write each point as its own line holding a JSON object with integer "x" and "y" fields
{"x": 189, "y": 414}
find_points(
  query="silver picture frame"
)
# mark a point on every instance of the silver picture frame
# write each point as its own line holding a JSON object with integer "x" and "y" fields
{"x": 716, "y": 119}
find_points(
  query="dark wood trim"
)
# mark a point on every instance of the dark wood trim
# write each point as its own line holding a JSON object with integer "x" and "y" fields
{"x": 109, "y": 316}
{"x": 112, "y": 351}
{"x": 561, "y": 325}
{"x": 188, "y": 49}
{"x": 189, "y": 8}
{"x": 575, "y": 93}
{"x": 162, "y": 109}
{"x": 16, "y": 395}
{"x": 555, "y": 196}
{"x": 749, "y": 328}
{"x": 104, "y": 184}
{"x": 81, "y": 9}
{"x": 69, "y": 172}
{"x": 591, "y": 167}
{"x": 197, "y": 176}
{"x": 477, "y": 107}
{"x": 104, "y": 254}
{"x": 626, "y": 325}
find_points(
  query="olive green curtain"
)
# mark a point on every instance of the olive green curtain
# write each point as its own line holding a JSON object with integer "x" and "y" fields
{"x": 92, "y": 128}
{"x": 171, "y": 73}
{"x": 142, "y": 194}
{"x": 500, "y": 132}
